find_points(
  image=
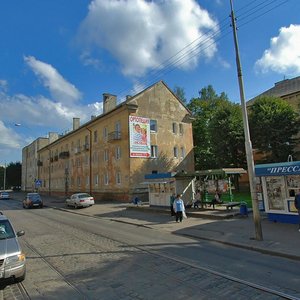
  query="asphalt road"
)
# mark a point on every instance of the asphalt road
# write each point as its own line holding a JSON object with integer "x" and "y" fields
{"x": 71, "y": 256}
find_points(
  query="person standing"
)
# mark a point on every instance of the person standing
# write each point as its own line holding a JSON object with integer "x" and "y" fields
{"x": 172, "y": 199}
{"x": 297, "y": 205}
{"x": 179, "y": 208}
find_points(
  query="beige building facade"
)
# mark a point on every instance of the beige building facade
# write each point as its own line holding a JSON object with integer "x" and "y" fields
{"x": 96, "y": 157}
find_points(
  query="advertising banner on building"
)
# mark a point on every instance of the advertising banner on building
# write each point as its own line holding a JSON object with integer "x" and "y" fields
{"x": 139, "y": 137}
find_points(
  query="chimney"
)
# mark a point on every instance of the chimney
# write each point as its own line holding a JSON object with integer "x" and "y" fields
{"x": 109, "y": 102}
{"x": 53, "y": 136}
{"x": 76, "y": 123}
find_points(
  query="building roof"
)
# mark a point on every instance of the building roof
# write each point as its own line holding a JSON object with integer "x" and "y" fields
{"x": 281, "y": 89}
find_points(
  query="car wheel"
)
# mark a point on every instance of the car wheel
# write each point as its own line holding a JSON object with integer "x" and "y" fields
{"x": 19, "y": 279}
{"x": 75, "y": 206}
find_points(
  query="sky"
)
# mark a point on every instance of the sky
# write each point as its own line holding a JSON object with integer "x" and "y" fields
{"x": 57, "y": 57}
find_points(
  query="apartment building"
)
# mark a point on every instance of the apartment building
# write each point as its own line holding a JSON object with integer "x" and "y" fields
{"x": 30, "y": 170}
{"x": 109, "y": 155}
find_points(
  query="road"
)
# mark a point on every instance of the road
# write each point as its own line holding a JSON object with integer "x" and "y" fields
{"x": 71, "y": 256}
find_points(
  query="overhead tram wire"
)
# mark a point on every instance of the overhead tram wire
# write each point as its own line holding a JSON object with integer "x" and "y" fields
{"x": 173, "y": 62}
{"x": 169, "y": 63}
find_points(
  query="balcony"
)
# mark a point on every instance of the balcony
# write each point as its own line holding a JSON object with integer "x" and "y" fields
{"x": 114, "y": 135}
{"x": 64, "y": 154}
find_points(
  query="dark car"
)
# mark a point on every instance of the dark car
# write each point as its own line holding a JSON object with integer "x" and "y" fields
{"x": 33, "y": 200}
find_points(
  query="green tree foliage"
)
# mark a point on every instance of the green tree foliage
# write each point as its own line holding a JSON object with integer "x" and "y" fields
{"x": 273, "y": 127}
{"x": 13, "y": 175}
{"x": 218, "y": 131}
{"x": 180, "y": 93}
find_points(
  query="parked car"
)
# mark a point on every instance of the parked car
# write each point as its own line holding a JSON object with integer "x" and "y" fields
{"x": 4, "y": 195}
{"x": 12, "y": 258}
{"x": 80, "y": 200}
{"x": 33, "y": 200}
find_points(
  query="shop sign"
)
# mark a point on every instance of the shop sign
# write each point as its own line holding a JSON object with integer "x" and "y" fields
{"x": 282, "y": 169}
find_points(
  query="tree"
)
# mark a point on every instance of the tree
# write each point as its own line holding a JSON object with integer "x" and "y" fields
{"x": 273, "y": 127}
{"x": 218, "y": 131}
{"x": 180, "y": 93}
{"x": 13, "y": 175}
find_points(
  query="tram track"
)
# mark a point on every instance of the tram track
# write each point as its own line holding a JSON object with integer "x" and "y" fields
{"x": 264, "y": 289}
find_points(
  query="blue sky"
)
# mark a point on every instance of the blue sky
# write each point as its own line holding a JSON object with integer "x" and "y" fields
{"x": 57, "y": 57}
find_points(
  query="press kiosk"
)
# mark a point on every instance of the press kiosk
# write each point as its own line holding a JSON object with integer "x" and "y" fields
{"x": 278, "y": 183}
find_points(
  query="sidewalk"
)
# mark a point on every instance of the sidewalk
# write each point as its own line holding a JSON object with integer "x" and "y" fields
{"x": 230, "y": 228}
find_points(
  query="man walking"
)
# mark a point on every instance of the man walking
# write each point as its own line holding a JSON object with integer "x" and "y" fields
{"x": 179, "y": 208}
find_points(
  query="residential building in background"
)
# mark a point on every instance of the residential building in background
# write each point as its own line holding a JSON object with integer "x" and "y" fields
{"x": 109, "y": 155}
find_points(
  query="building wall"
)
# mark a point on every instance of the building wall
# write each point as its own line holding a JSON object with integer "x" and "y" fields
{"x": 30, "y": 170}
{"x": 86, "y": 159}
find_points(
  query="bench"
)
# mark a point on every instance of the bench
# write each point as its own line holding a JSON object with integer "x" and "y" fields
{"x": 230, "y": 205}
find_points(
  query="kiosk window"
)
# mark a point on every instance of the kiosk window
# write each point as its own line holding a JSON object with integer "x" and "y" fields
{"x": 275, "y": 191}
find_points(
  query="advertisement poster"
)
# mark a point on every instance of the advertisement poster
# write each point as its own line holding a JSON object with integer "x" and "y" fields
{"x": 139, "y": 137}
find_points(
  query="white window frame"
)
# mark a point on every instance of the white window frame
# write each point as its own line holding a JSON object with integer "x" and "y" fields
{"x": 96, "y": 179}
{"x": 105, "y": 155}
{"x": 154, "y": 151}
{"x": 106, "y": 179}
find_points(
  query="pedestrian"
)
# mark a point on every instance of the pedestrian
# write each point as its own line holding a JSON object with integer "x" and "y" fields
{"x": 197, "y": 199}
{"x": 172, "y": 199}
{"x": 297, "y": 205}
{"x": 179, "y": 208}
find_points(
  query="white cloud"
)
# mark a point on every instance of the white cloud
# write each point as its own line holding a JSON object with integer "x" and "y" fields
{"x": 38, "y": 111}
{"x": 9, "y": 139}
{"x": 3, "y": 85}
{"x": 60, "y": 89}
{"x": 142, "y": 34}
{"x": 283, "y": 56}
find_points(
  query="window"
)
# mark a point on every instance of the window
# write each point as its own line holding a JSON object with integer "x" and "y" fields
{"x": 154, "y": 151}
{"x": 106, "y": 178}
{"x": 181, "y": 129}
{"x": 153, "y": 126}
{"x": 118, "y": 152}
{"x": 87, "y": 180}
{"x": 86, "y": 159}
{"x": 182, "y": 152}
{"x": 175, "y": 150}
{"x": 105, "y": 155}
{"x": 118, "y": 127}
{"x": 95, "y": 136}
{"x": 78, "y": 181}
{"x": 96, "y": 179}
{"x": 118, "y": 178}
{"x": 105, "y": 133}
{"x": 174, "y": 128}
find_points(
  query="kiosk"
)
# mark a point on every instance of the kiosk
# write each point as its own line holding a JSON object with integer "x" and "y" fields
{"x": 162, "y": 185}
{"x": 278, "y": 183}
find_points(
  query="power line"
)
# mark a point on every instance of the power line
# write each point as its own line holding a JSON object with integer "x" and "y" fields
{"x": 203, "y": 42}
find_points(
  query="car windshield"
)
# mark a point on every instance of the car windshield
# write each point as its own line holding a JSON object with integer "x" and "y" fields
{"x": 83, "y": 196}
{"x": 6, "y": 231}
{"x": 35, "y": 197}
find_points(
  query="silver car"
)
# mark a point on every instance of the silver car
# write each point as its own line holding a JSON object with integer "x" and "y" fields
{"x": 12, "y": 258}
{"x": 80, "y": 200}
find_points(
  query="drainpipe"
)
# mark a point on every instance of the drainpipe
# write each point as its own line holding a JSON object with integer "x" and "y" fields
{"x": 90, "y": 150}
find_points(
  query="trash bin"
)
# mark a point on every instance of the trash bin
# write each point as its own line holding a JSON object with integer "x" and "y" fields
{"x": 243, "y": 209}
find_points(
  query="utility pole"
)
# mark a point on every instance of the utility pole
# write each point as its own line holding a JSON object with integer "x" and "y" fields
{"x": 248, "y": 145}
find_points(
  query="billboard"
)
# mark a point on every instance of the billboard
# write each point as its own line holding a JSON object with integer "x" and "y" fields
{"x": 139, "y": 137}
